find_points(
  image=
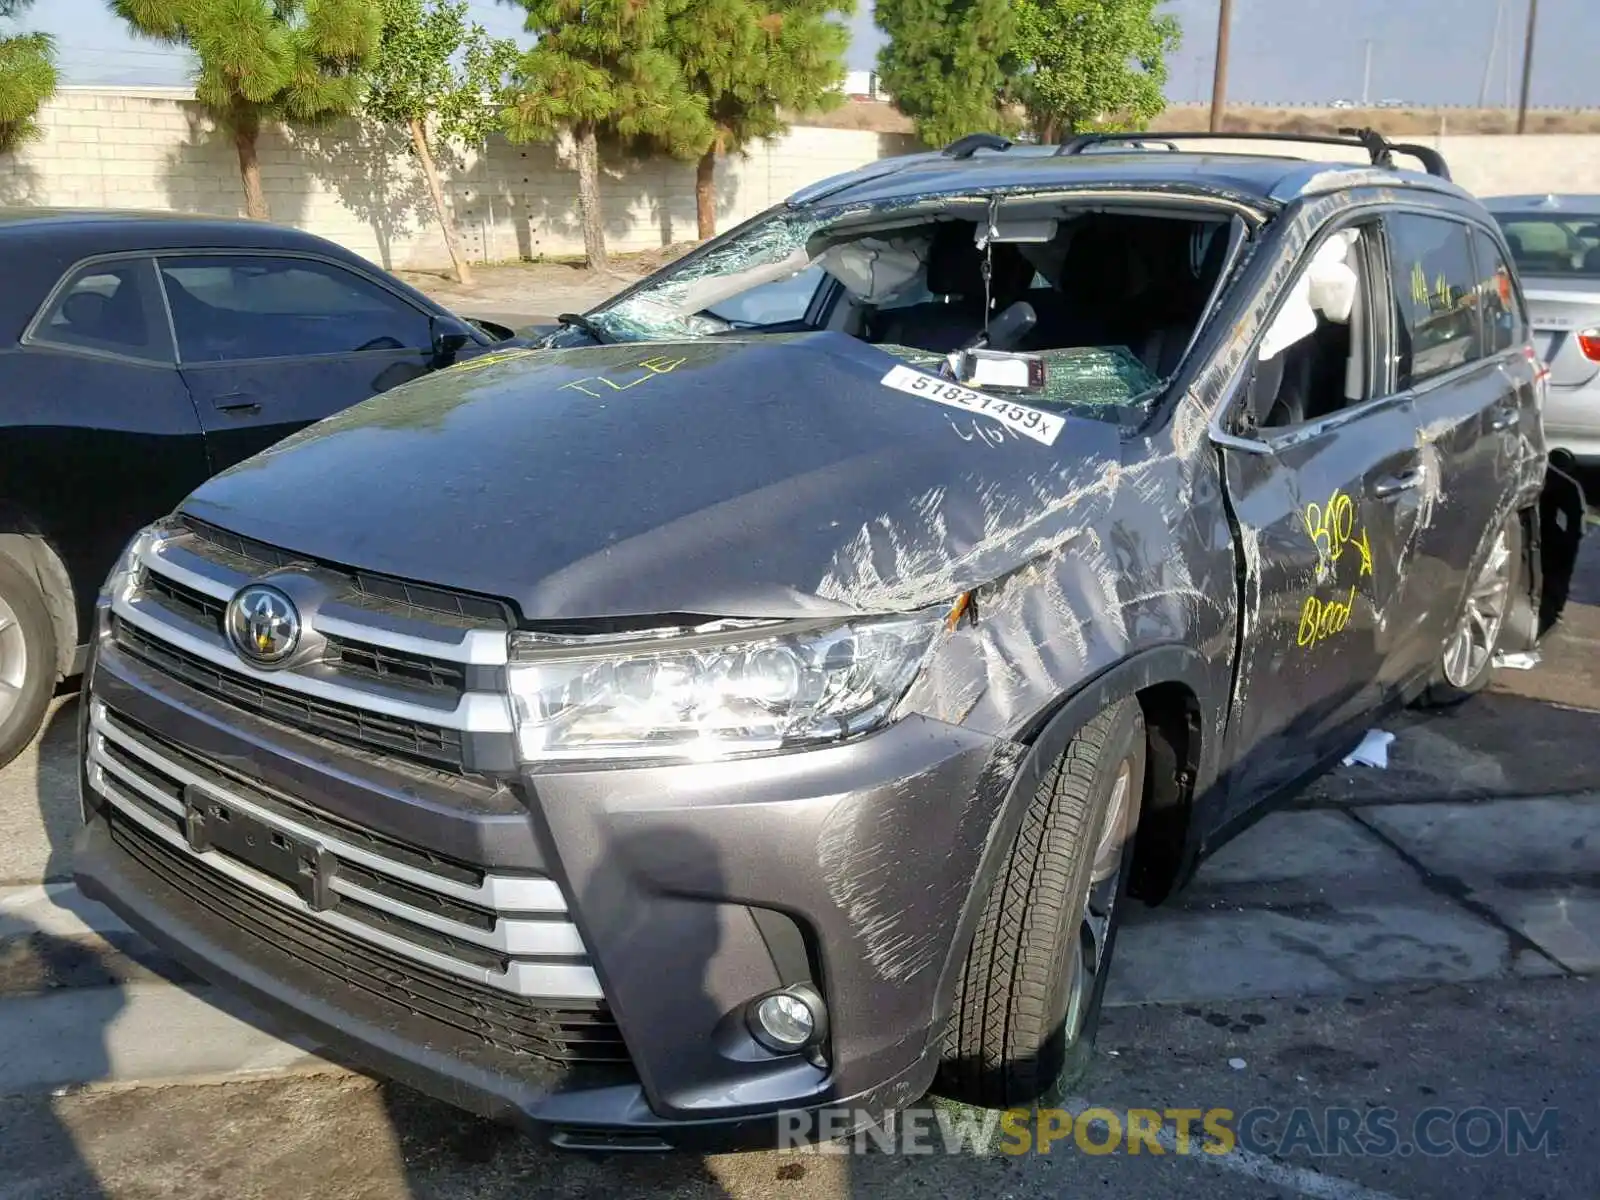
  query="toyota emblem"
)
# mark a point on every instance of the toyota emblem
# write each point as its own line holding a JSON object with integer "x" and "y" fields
{"x": 263, "y": 625}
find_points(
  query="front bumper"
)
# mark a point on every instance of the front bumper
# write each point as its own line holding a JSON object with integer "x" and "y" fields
{"x": 694, "y": 889}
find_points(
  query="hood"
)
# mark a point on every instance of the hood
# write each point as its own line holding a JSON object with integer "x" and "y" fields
{"x": 764, "y": 477}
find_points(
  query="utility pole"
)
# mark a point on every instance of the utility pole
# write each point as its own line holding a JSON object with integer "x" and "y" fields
{"x": 1527, "y": 66}
{"x": 1366, "y": 75}
{"x": 1219, "y": 78}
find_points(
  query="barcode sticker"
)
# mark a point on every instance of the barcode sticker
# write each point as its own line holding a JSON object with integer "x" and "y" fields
{"x": 1032, "y": 423}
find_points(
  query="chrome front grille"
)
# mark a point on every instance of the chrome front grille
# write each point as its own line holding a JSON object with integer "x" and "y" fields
{"x": 389, "y": 674}
{"x": 511, "y": 934}
{"x": 418, "y": 741}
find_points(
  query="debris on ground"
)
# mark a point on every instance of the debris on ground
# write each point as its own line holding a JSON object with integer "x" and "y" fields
{"x": 1372, "y": 752}
{"x": 1522, "y": 660}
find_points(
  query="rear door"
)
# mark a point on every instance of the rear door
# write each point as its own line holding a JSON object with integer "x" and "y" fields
{"x": 268, "y": 343}
{"x": 97, "y": 432}
{"x": 1471, "y": 395}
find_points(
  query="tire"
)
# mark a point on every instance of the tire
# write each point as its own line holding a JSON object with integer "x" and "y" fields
{"x": 27, "y": 659}
{"x": 1453, "y": 683}
{"x": 1028, "y": 1001}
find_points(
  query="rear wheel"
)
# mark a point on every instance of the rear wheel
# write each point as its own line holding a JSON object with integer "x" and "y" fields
{"x": 1029, "y": 1002}
{"x": 1467, "y": 663}
{"x": 27, "y": 659}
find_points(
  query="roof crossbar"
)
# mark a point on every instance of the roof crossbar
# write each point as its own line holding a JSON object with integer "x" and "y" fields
{"x": 1378, "y": 148}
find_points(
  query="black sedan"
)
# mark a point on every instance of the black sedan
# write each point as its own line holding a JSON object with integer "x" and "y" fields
{"x": 140, "y": 353}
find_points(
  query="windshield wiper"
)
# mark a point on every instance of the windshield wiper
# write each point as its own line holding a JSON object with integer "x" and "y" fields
{"x": 578, "y": 321}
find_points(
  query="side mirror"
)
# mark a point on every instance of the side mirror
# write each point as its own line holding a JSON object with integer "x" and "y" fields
{"x": 451, "y": 335}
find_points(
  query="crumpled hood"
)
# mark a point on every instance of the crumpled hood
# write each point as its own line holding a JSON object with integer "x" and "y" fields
{"x": 768, "y": 477}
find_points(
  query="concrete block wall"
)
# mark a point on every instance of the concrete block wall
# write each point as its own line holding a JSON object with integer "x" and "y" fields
{"x": 359, "y": 185}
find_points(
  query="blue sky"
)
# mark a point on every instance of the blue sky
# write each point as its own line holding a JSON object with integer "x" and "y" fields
{"x": 1284, "y": 51}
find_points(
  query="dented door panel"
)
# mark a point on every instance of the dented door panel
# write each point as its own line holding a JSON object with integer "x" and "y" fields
{"x": 1322, "y": 541}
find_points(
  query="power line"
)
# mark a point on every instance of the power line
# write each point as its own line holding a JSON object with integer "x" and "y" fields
{"x": 120, "y": 51}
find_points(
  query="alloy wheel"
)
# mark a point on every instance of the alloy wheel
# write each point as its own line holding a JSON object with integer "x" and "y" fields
{"x": 1104, "y": 886}
{"x": 13, "y": 660}
{"x": 1468, "y": 651}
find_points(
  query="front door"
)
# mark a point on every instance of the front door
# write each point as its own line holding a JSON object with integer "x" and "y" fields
{"x": 270, "y": 343}
{"x": 1316, "y": 492}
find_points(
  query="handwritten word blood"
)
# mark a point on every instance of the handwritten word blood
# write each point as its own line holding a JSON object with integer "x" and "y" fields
{"x": 1321, "y": 619}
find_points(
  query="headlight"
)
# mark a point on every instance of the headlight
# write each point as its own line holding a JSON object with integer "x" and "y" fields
{"x": 706, "y": 696}
{"x": 124, "y": 576}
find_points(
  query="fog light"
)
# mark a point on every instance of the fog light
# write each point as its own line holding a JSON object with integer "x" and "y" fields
{"x": 788, "y": 1021}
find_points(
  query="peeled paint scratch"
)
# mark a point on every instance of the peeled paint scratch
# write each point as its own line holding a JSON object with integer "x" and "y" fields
{"x": 922, "y": 564}
{"x": 862, "y": 853}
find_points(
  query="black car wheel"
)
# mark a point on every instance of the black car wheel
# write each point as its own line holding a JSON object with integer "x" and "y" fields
{"x": 1029, "y": 1001}
{"x": 27, "y": 659}
{"x": 1467, "y": 663}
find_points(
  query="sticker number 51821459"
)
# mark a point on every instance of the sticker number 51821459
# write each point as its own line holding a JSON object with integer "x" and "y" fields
{"x": 1029, "y": 422}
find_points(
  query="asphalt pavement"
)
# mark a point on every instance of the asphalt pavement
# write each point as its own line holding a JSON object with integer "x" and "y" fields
{"x": 1382, "y": 992}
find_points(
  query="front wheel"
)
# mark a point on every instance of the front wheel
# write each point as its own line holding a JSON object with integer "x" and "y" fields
{"x": 1029, "y": 1001}
{"x": 27, "y": 659}
{"x": 1467, "y": 663}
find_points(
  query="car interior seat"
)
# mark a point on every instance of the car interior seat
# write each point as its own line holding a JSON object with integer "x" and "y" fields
{"x": 955, "y": 276}
{"x": 117, "y": 319}
{"x": 1180, "y": 302}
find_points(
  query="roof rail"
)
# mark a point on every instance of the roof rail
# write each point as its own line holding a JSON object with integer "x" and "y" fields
{"x": 966, "y": 147}
{"x": 1378, "y": 147}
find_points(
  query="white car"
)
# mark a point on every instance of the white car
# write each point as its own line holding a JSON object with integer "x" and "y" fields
{"x": 1555, "y": 243}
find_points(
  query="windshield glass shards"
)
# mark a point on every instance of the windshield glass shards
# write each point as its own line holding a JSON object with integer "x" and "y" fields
{"x": 679, "y": 305}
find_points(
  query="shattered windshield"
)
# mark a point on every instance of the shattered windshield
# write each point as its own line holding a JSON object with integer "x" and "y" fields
{"x": 683, "y": 303}
{"x": 1108, "y": 300}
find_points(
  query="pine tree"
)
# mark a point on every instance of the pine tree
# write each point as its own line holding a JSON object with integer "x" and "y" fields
{"x": 603, "y": 66}
{"x": 437, "y": 77}
{"x": 27, "y": 78}
{"x": 262, "y": 60}
{"x": 942, "y": 63}
{"x": 1091, "y": 64}
{"x": 754, "y": 62}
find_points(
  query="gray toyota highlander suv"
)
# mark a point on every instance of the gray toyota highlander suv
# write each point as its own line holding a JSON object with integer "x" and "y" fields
{"x": 768, "y": 693}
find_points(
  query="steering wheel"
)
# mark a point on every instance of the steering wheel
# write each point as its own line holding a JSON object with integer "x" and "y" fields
{"x": 386, "y": 342}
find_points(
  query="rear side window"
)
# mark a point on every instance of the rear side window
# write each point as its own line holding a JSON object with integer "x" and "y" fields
{"x": 1497, "y": 296}
{"x": 1554, "y": 245}
{"x": 1435, "y": 292}
{"x": 233, "y": 307}
{"x": 106, "y": 306}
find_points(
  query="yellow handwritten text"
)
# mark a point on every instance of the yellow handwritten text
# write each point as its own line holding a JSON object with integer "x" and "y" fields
{"x": 1321, "y": 619}
{"x": 1331, "y": 528}
{"x": 652, "y": 367}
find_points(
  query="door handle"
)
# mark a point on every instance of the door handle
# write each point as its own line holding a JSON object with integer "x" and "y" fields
{"x": 237, "y": 402}
{"x": 1395, "y": 484}
{"x": 1504, "y": 418}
